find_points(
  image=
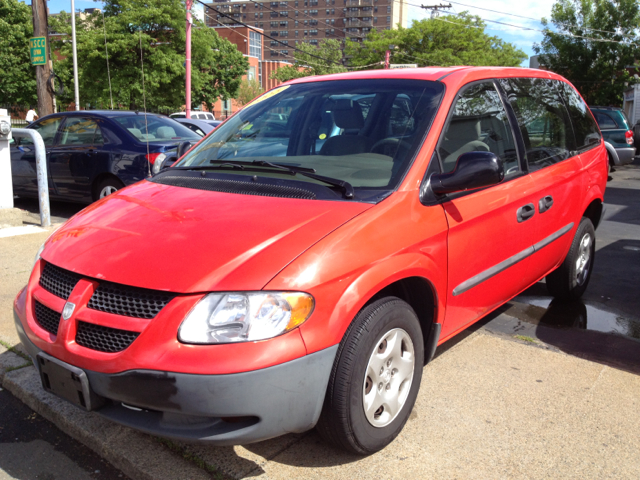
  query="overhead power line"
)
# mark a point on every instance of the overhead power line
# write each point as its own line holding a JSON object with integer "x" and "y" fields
{"x": 268, "y": 36}
{"x": 565, "y": 25}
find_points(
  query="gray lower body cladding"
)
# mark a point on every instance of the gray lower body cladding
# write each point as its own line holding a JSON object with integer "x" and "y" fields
{"x": 228, "y": 409}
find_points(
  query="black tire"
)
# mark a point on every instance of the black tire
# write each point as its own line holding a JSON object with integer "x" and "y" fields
{"x": 109, "y": 183}
{"x": 343, "y": 421}
{"x": 569, "y": 280}
{"x": 611, "y": 163}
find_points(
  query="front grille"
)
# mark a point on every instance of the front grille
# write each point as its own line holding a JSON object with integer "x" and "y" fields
{"x": 58, "y": 281}
{"x": 47, "y": 318}
{"x": 236, "y": 186}
{"x": 128, "y": 301}
{"x": 104, "y": 339}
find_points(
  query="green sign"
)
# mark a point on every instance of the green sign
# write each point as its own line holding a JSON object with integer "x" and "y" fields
{"x": 38, "y": 49}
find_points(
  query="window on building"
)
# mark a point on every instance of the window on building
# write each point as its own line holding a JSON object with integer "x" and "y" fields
{"x": 296, "y": 34}
{"x": 314, "y": 42}
{"x": 284, "y": 33}
{"x": 388, "y": 8}
{"x": 274, "y": 34}
{"x": 388, "y": 19}
{"x": 274, "y": 24}
{"x": 255, "y": 45}
{"x": 306, "y": 32}
{"x": 313, "y": 12}
{"x": 284, "y": 24}
{"x": 284, "y": 52}
{"x": 314, "y": 32}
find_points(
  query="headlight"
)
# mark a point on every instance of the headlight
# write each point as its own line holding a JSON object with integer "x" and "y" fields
{"x": 244, "y": 317}
{"x": 35, "y": 260}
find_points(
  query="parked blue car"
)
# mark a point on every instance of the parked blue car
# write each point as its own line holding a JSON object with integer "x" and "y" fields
{"x": 91, "y": 154}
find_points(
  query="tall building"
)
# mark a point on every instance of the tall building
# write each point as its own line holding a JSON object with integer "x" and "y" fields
{"x": 291, "y": 22}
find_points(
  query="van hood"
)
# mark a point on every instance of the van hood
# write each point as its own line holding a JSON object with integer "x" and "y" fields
{"x": 185, "y": 240}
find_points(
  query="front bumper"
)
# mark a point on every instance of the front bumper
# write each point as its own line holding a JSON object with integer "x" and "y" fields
{"x": 228, "y": 409}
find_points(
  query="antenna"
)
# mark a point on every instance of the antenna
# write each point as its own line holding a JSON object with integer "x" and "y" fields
{"x": 144, "y": 105}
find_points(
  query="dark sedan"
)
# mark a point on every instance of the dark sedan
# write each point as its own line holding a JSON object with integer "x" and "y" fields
{"x": 91, "y": 154}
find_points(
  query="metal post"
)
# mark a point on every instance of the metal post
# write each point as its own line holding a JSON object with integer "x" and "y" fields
{"x": 188, "y": 59}
{"x": 6, "y": 185}
{"x": 75, "y": 54}
{"x": 387, "y": 56}
{"x": 41, "y": 169}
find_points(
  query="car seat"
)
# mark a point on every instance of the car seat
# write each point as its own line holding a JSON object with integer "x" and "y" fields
{"x": 165, "y": 132}
{"x": 347, "y": 115}
{"x": 463, "y": 135}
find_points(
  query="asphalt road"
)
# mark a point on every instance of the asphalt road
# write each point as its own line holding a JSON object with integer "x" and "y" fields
{"x": 32, "y": 448}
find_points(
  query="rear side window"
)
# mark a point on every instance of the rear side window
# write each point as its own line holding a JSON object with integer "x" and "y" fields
{"x": 605, "y": 121}
{"x": 479, "y": 124}
{"x": 47, "y": 128}
{"x": 584, "y": 126}
{"x": 542, "y": 118}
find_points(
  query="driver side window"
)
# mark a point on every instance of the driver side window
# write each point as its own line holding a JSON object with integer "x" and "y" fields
{"x": 479, "y": 124}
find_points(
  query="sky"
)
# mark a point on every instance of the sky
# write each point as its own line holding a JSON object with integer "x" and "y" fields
{"x": 523, "y": 39}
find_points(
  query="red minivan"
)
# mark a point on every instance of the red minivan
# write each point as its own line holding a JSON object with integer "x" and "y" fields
{"x": 299, "y": 266}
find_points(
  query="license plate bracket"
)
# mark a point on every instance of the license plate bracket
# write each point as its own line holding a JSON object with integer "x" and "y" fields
{"x": 68, "y": 382}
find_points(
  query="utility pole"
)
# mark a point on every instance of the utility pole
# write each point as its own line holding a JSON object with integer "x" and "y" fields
{"x": 435, "y": 9}
{"x": 75, "y": 56}
{"x": 41, "y": 29}
{"x": 188, "y": 59}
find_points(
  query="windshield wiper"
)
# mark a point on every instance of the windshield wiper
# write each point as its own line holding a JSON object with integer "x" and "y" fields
{"x": 347, "y": 188}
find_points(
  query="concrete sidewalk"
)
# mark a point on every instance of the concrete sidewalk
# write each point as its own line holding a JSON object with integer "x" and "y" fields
{"x": 490, "y": 406}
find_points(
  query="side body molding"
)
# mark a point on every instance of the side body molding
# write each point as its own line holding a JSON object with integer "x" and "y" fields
{"x": 502, "y": 266}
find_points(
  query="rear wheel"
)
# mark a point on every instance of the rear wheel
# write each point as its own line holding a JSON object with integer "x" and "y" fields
{"x": 106, "y": 187}
{"x": 570, "y": 279}
{"x": 375, "y": 378}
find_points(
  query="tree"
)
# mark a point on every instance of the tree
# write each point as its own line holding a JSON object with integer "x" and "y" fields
{"x": 443, "y": 41}
{"x": 310, "y": 60}
{"x": 156, "y": 27}
{"x": 249, "y": 89}
{"x": 18, "y": 81}
{"x": 598, "y": 68}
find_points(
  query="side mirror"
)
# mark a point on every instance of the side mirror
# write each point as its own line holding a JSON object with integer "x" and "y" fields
{"x": 473, "y": 170}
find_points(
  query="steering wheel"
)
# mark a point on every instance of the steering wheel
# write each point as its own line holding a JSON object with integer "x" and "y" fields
{"x": 390, "y": 146}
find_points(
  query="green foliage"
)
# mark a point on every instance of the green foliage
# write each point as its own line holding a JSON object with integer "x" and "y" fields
{"x": 598, "y": 69}
{"x": 249, "y": 89}
{"x": 444, "y": 41}
{"x": 158, "y": 28}
{"x": 307, "y": 62}
{"x": 18, "y": 82}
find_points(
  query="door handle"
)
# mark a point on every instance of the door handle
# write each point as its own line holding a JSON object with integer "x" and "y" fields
{"x": 526, "y": 212}
{"x": 545, "y": 203}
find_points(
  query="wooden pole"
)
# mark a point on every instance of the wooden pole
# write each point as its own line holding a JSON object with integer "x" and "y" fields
{"x": 41, "y": 29}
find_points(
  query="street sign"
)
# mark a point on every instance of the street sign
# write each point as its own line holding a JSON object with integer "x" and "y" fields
{"x": 38, "y": 49}
{"x": 403, "y": 65}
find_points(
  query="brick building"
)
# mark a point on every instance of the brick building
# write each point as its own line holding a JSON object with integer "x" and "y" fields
{"x": 250, "y": 44}
{"x": 295, "y": 21}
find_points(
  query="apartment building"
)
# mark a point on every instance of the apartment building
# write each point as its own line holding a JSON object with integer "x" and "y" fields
{"x": 290, "y": 22}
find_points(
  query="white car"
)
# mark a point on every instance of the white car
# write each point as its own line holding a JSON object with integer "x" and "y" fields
{"x": 198, "y": 115}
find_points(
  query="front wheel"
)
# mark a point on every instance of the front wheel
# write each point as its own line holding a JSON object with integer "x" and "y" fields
{"x": 375, "y": 378}
{"x": 570, "y": 279}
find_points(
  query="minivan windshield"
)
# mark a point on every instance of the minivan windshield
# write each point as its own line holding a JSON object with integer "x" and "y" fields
{"x": 364, "y": 132}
